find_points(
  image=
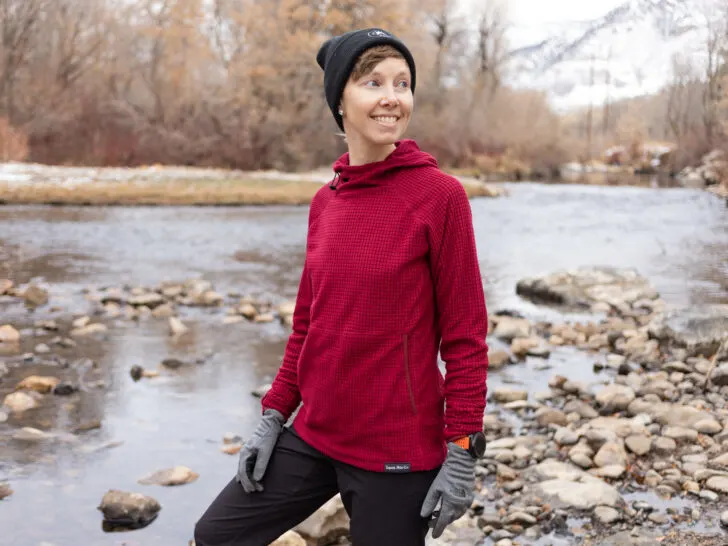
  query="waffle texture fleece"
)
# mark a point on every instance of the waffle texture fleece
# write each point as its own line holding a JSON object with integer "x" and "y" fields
{"x": 391, "y": 277}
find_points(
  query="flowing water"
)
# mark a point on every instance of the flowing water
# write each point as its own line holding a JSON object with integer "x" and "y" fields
{"x": 678, "y": 238}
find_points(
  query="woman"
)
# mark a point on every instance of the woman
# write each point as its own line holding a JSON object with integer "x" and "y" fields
{"x": 390, "y": 277}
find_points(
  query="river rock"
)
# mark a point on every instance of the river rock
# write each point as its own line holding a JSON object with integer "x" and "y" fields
{"x": 611, "y": 454}
{"x": 567, "y": 486}
{"x": 582, "y": 287}
{"x": 509, "y": 328}
{"x": 664, "y": 446}
{"x": 708, "y": 426}
{"x": 522, "y": 346}
{"x": 505, "y": 395}
{"x": 521, "y": 518}
{"x": 719, "y": 377}
{"x": 5, "y": 491}
{"x": 125, "y": 508}
{"x": 8, "y": 334}
{"x": 565, "y": 436}
{"x": 723, "y": 518}
{"x": 611, "y": 471}
{"x": 719, "y": 484}
{"x": 35, "y": 296}
{"x": 669, "y": 414}
{"x": 248, "y": 310}
{"x": 173, "y": 363}
{"x": 582, "y": 408}
{"x": 286, "y": 308}
{"x": 88, "y": 330}
{"x": 550, "y": 416}
{"x": 6, "y": 287}
{"x": 607, "y": 515}
{"x": 177, "y": 327}
{"x": 720, "y": 462}
{"x": 178, "y": 475}
{"x": 38, "y": 383}
{"x": 680, "y": 434}
{"x": 289, "y": 538}
{"x": 21, "y": 401}
{"x": 163, "y": 311}
{"x": 30, "y": 434}
{"x": 638, "y": 444}
{"x": 498, "y": 358}
{"x": 614, "y": 398}
{"x": 148, "y": 299}
{"x": 503, "y": 443}
{"x": 327, "y": 523}
{"x": 699, "y": 329}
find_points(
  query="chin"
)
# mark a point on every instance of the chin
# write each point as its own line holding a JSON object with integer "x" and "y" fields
{"x": 386, "y": 139}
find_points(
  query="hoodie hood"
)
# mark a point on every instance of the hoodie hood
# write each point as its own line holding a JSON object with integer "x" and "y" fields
{"x": 407, "y": 154}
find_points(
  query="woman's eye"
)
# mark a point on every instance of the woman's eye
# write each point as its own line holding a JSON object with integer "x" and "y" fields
{"x": 372, "y": 83}
{"x": 404, "y": 84}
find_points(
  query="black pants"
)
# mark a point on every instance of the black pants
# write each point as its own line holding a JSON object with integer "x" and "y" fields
{"x": 384, "y": 508}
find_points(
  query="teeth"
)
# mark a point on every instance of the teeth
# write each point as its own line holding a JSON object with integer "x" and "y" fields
{"x": 386, "y": 119}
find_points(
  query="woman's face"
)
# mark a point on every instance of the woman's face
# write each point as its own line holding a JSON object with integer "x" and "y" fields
{"x": 378, "y": 106}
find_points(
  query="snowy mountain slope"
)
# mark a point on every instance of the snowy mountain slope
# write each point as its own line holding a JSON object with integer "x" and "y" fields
{"x": 627, "y": 52}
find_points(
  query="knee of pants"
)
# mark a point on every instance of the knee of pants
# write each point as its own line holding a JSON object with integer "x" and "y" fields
{"x": 205, "y": 533}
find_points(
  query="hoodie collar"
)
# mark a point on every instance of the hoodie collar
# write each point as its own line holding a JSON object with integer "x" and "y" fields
{"x": 406, "y": 154}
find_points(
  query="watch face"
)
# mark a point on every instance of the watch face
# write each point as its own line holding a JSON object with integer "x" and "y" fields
{"x": 477, "y": 442}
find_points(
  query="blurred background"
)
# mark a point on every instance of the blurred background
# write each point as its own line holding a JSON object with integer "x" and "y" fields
{"x": 518, "y": 88}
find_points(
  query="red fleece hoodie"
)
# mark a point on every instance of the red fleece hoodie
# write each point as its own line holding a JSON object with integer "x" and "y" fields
{"x": 391, "y": 276}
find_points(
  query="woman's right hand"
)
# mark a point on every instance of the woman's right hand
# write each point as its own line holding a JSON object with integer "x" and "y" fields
{"x": 256, "y": 452}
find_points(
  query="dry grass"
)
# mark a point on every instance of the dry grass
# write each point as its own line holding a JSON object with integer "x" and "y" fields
{"x": 178, "y": 193}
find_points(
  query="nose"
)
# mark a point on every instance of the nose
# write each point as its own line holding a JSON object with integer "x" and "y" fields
{"x": 389, "y": 98}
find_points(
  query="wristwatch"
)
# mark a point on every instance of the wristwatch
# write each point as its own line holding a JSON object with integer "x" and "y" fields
{"x": 473, "y": 444}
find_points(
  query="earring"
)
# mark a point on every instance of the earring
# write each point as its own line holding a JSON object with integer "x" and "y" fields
{"x": 341, "y": 112}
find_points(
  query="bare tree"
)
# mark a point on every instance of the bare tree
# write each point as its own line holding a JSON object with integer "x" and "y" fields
{"x": 18, "y": 19}
{"x": 491, "y": 49}
{"x": 680, "y": 98}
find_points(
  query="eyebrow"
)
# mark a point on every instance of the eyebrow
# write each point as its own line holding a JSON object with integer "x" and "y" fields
{"x": 377, "y": 73}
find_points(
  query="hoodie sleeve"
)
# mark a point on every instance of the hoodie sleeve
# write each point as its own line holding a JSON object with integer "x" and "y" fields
{"x": 284, "y": 394}
{"x": 463, "y": 318}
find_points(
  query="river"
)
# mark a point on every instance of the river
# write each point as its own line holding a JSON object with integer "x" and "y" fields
{"x": 678, "y": 238}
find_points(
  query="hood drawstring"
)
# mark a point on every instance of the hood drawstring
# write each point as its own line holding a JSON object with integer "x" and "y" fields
{"x": 335, "y": 181}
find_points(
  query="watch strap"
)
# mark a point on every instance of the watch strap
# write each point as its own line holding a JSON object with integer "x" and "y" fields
{"x": 463, "y": 442}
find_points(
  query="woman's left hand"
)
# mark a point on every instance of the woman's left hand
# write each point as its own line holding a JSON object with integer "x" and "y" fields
{"x": 453, "y": 485}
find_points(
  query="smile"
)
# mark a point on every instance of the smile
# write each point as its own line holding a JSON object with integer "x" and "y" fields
{"x": 386, "y": 120}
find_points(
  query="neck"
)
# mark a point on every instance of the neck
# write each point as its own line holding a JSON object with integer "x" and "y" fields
{"x": 361, "y": 153}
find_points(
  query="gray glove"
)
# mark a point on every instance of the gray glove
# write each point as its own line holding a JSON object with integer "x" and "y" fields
{"x": 454, "y": 486}
{"x": 256, "y": 452}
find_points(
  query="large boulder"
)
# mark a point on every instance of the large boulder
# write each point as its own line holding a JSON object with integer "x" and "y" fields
{"x": 699, "y": 328}
{"x": 583, "y": 287}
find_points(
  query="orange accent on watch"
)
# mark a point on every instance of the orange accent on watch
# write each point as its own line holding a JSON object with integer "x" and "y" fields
{"x": 463, "y": 442}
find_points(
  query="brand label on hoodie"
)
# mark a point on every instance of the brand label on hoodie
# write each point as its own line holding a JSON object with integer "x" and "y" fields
{"x": 397, "y": 468}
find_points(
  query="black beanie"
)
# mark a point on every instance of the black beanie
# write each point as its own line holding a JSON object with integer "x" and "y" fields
{"x": 338, "y": 55}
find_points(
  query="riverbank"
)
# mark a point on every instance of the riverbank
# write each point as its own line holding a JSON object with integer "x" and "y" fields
{"x": 32, "y": 184}
{"x": 639, "y": 453}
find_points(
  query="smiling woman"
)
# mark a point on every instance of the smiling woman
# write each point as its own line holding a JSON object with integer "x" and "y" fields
{"x": 390, "y": 280}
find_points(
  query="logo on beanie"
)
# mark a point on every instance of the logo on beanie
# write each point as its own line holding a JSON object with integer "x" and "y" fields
{"x": 378, "y": 34}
